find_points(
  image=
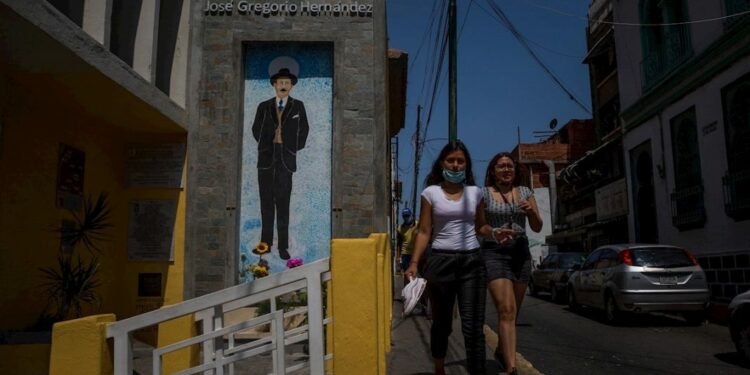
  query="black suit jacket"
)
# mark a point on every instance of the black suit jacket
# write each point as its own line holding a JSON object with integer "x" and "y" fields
{"x": 293, "y": 132}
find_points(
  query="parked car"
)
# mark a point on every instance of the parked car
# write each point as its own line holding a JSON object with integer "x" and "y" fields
{"x": 640, "y": 278}
{"x": 739, "y": 323}
{"x": 552, "y": 274}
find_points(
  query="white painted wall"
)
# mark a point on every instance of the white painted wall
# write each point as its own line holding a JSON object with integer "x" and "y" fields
{"x": 96, "y": 20}
{"x": 704, "y": 33}
{"x": 628, "y": 49}
{"x": 178, "y": 82}
{"x": 720, "y": 233}
{"x": 537, "y": 245}
{"x": 628, "y": 41}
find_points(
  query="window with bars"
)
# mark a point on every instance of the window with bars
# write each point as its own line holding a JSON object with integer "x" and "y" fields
{"x": 664, "y": 47}
{"x": 736, "y": 102}
{"x": 688, "y": 210}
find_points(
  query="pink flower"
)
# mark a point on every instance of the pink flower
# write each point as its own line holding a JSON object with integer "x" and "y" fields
{"x": 294, "y": 262}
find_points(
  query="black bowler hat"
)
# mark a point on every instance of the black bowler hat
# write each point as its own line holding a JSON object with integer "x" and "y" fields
{"x": 284, "y": 73}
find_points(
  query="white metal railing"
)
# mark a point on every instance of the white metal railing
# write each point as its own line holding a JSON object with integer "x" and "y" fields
{"x": 219, "y": 348}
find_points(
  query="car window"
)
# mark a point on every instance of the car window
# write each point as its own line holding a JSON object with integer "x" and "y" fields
{"x": 552, "y": 261}
{"x": 662, "y": 257}
{"x": 591, "y": 260}
{"x": 569, "y": 260}
{"x": 545, "y": 262}
{"x": 607, "y": 259}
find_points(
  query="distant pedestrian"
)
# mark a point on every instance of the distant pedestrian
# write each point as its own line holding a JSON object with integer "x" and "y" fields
{"x": 501, "y": 221}
{"x": 452, "y": 265}
{"x": 405, "y": 239}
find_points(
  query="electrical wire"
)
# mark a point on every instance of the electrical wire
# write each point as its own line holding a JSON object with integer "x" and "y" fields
{"x": 554, "y": 10}
{"x": 424, "y": 36}
{"x": 436, "y": 45}
{"x": 501, "y": 17}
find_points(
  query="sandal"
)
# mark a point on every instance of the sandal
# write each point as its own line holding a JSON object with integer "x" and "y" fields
{"x": 499, "y": 359}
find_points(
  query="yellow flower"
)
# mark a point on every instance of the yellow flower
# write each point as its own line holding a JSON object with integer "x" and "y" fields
{"x": 261, "y": 248}
{"x": 260, "y": 271}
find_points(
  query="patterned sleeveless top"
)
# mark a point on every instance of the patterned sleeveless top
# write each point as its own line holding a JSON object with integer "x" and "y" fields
{"x": 500, "y": 214}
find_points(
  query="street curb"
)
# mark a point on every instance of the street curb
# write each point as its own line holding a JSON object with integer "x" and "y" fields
{"x": 523, "y": 366}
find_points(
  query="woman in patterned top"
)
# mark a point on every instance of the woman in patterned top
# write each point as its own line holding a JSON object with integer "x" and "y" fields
{"x": 501, "y": 221}
{"x": 451, "y": 263}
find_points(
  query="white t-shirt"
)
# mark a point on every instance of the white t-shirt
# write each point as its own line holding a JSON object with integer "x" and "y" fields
{"x": 453, "y": 221}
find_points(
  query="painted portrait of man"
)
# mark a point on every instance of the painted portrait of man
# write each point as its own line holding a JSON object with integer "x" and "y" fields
{"x": 280, "y": 128}
{"x": 285, "y": 207}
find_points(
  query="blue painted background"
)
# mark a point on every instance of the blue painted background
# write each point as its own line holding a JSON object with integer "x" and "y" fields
{"x": 310, "y": 206}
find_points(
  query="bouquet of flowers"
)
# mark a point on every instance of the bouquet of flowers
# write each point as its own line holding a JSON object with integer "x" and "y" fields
{"x": 258, "y": 269}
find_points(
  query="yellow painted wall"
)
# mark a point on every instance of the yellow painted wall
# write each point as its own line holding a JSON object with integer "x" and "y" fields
{"x": 32, "y": 130}
{"x": 361, "y": 305}
{"x": 174, "y": 331}
{"x": 27, "y": 359}
{"x": 80, "y": 346}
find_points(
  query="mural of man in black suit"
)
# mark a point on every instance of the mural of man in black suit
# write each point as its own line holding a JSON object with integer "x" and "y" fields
{"x": 280, "y": 128}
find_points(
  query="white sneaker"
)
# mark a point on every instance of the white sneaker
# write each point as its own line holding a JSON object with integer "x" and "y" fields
{"x": 412, "y": 292}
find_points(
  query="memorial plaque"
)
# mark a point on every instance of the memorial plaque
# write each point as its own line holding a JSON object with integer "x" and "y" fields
{"x": 151, "y": 230}
{"x": 155, "y": 165}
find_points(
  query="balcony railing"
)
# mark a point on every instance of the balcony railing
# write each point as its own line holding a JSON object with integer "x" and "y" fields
{"x": 688, "y": 210}
{"x": 734, "y": 7}
{"x": 674, "y": 48}
{"x": 737, "y": 194}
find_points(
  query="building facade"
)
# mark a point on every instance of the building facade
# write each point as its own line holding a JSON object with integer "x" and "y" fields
{"x": 593, "y": 191}
{"x": 684, "y": 90}
{"x": 542, "y": 163}
{"x": 155, "y": 103}
{"x": 86, "y": 112}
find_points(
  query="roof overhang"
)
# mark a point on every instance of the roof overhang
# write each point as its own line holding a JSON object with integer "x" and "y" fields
{"x": 47, "y": 57}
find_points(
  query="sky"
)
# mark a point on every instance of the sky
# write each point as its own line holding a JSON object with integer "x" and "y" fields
{"x": 500, "y": 87}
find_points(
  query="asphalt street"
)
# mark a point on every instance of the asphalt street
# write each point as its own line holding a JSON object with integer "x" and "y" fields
{"x": 558, "y": 341}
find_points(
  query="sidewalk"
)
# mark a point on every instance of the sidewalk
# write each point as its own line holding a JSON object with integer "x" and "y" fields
{"x": 410, "y": 354}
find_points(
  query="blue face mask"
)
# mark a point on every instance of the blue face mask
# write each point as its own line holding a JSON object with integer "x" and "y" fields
{"x": 454, "y": 177}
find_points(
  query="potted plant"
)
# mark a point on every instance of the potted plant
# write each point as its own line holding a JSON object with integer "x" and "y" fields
{"x": 72, "y": 283}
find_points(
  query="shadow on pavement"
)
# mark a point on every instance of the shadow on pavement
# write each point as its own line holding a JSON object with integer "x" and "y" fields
{"x": 733, "y": 358}
{"x": 635, "y": 320}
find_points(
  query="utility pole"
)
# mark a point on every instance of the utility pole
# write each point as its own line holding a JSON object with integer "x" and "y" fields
{"x": 417, "y": 146}
{"x": 452, "y": 75}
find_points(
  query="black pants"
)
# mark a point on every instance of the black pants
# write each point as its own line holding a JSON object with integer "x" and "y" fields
{"x": 450, "y": 276}
{"x": 275, "y": 185}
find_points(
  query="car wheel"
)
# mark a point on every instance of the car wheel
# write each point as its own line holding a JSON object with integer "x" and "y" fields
{"x": 553, "y": 293}
{"x": 533, "y": 290}
{"x": 572, "y": 302}
{"x": 740, "y": 330}
{"x": 612, "y": 314}
{"x": 695, "y": 317}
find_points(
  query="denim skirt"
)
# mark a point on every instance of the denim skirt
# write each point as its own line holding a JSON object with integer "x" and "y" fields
{"x": 507, "y": 262}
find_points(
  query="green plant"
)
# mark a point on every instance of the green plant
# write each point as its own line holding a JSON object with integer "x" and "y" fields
{"x": 72, "y": 283}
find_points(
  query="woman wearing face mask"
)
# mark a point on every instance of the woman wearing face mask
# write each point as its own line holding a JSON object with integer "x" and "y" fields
{"x": 501, "y": 221}
{"x": 452, "y": 266}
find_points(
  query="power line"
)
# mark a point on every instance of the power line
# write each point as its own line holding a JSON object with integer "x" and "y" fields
{"x": 424, "y": 36}
{"x": 463, "y": 23}
{"x": 442, "y": 27}
{"x": 501, "y": 17}
{"x": 439, "y": 69}
{"x": 554, "y": 10}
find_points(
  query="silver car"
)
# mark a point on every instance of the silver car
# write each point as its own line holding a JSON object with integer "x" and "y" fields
{"x": 739, "y": 325}
{"x": 640, "y": 278}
